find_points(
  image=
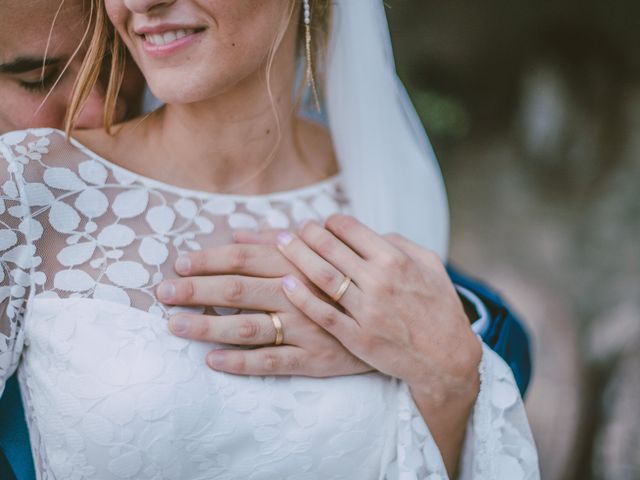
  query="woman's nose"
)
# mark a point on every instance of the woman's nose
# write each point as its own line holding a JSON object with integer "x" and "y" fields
{"x": 146, "y": 6}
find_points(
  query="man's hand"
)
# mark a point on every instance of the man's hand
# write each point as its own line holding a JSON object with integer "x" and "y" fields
{"x": 248, "y": 277}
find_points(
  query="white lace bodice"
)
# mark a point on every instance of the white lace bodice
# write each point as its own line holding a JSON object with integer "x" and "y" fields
{"x": 111, "y": 394}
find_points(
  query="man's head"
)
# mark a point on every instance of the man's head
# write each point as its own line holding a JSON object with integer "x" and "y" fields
{"x": 37, "y": 39}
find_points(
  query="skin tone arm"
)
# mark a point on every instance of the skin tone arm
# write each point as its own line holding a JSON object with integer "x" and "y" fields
{"x": 436, "y": 354}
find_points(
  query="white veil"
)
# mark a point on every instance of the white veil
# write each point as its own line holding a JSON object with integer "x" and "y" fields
{"x": 390, "y": 172}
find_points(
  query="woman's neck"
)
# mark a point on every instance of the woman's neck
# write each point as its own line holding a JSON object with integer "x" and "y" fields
{"x": 235, "y": 141}
{"x": 231, "y": 143}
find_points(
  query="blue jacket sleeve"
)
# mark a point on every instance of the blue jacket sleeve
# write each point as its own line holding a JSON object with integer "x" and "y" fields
{"x": 505, "y": 334}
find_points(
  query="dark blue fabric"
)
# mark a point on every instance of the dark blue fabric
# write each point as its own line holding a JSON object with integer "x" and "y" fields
{"x": 14, "y": 436}
{"x": 506, "y": 335}
{"x": 6, "y": 473}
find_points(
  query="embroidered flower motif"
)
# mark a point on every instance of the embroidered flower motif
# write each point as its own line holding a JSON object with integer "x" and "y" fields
{"x": 123, "y": 398}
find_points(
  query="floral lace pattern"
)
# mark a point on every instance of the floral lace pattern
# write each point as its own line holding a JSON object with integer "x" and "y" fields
{"x": 111, "y": 394}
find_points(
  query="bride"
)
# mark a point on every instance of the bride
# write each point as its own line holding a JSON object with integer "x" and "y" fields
{"x": 94, "y": 225}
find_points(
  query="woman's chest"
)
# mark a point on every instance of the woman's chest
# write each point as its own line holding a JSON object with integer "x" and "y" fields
{"x": 111, "y": 391}
{"x": 117, "y": 239}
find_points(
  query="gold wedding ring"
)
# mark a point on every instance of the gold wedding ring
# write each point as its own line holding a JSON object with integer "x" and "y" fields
{"x": 341, "y": 289}
{"x": 277, "y": 324}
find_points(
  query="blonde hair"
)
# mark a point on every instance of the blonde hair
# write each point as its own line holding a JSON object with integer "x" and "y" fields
{"x": 106, "y": 54}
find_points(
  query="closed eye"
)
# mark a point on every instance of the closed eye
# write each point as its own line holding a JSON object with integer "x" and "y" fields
{"x": 45, "y": 80}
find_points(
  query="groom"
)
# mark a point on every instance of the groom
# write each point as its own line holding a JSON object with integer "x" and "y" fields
{"x": 27, "y": 77}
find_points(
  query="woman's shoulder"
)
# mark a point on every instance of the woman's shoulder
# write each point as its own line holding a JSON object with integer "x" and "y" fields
{"x": 32, "y": 155}
{"x": 17, "y": 139}
{"x": 38, "y": 164}
{"x": 22, "y": 148}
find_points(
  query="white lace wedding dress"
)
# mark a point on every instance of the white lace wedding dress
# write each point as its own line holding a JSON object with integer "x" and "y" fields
{"x": 111, "y": 394}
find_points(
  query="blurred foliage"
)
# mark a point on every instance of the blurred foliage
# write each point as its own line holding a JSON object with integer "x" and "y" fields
{"x": 445, "y": 116}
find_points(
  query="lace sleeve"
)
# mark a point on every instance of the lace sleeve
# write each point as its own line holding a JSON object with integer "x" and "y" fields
{"x": 498, "y": 443}
{"x": 17, "y": 253}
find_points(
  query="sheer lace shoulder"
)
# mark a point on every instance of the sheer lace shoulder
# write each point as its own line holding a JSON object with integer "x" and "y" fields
{"x": 18, "y": 232}
{"x": 114, "y": 235}
{"x": 76, "y": 225}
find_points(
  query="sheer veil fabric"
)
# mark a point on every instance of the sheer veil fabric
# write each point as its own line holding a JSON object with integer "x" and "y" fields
{"x": 387, "y": 162}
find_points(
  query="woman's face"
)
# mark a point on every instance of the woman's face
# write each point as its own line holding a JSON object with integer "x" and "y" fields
{"x": 192, "y": 50}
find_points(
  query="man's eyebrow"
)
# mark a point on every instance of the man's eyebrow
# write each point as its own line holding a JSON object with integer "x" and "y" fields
{"x": 27, "y": 64}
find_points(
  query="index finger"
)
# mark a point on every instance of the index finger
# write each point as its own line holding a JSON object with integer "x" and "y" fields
{"x": 251, "y": 260}
{"x": 360, "y": 238}
{"x": 262, "y": 237}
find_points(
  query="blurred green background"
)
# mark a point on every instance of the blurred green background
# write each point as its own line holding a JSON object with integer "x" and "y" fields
{"x": 534, "y": 111}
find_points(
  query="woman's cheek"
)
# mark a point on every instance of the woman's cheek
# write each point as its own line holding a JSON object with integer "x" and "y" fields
{"x": 118, "y": 13}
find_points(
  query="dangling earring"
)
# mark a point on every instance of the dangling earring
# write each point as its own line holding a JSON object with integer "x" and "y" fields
{"x": 311, "y": 81}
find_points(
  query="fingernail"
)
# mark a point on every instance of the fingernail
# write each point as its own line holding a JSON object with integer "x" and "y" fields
{"x": 284, "y": 238}
{"x": 166, "y": 291}
{"x": 215, "y": 360}
{"x": 290, "y": 283}
{"x": 183, "y": 264}
{"x": 178, "y": 324}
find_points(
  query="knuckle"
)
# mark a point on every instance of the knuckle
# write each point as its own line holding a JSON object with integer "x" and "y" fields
{"x": 271, "y": 362}
{"x": 328, "y": 318}
{"x": 406, "y": 263}
{"x": 273, "y": 288}
{"x": 383, "y": 287}
{"x": 249, "y": 330}
{"x": 294, "y": 363}
{"x": 393, "y": 260}
{"x": 340, "y": 223}
{"x": 325, "y": 278}
{"x": 188, "y": 289}
{"x": 239, "y": 258}
{"x": 432, "y": 258}
{"x": 233, "y": 291}
{"x": 393, "y": 237}
{"x": 324, "y": 245}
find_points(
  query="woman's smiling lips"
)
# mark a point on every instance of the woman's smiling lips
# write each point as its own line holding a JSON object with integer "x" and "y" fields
{"x": 165, "y": 40}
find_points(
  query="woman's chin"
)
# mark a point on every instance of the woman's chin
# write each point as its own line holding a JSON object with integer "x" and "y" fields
{"x": 182, "y": 89}
{"x": 176, "y": 93}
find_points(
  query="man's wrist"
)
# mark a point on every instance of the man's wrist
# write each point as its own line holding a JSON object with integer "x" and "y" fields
{"x": 459, "y": 385}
